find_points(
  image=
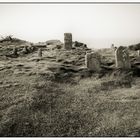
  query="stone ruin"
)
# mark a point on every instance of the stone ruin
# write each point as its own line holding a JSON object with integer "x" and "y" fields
{"x": 122, "y": 58}
{"x": 92, "y": 61}
{"x": 68, "y": 41}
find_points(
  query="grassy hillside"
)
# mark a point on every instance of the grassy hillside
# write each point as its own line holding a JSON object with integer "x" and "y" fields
{"x": 55, "y": 95}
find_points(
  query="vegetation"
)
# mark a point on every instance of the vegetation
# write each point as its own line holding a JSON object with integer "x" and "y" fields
{"x": 47, "y": 97}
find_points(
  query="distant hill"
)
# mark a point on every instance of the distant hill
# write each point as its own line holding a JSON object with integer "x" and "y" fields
{"x": 11, "y": 39}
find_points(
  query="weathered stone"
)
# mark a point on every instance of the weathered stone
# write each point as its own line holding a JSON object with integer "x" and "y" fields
{"x": 138, "y": 52}
{"x": 122, "y": 58}
{"x": 25, "y": 50}
{"x": 40, "y": 52}
{"x": 68, "y": 41}
{"x": 78, "y": 44}
{"x": 31, "y": 48}
{"x": 15, "y": 50}
{"x": 92, "y": 61}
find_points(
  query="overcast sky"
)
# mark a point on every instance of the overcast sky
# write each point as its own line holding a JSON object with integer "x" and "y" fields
{"x": 98, "y": 25}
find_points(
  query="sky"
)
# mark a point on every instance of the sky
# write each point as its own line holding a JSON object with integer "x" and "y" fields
{"x": 97, "y": 25}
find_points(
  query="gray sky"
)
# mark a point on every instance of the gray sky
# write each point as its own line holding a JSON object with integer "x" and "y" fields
{"x": 98, "y": 25}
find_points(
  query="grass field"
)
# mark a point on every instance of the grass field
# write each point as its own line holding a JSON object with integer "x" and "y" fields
{"x": 34, "y": 103}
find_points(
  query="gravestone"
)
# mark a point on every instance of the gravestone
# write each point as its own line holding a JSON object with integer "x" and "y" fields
{"x": 122, "y": 58}
{"x": 92, "y": 61}
{"x": 68, "y": 41}
{"x": 40, "y": 52}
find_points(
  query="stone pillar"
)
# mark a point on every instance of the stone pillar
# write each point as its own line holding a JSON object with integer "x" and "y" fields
{"x": 92, "y": 61}
{"x": 122, "y": 58}
{"x": 67, "y": 41}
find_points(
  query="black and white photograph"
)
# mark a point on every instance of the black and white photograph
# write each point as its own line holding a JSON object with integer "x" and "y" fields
{"x": 70, "y": 69}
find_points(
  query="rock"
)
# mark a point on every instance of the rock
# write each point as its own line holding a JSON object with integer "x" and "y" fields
{"x": 14, "y": 53}
{"x": 25, "y": 50}
{"x": 58, "y": 46}
{"x": 78, "y": 44}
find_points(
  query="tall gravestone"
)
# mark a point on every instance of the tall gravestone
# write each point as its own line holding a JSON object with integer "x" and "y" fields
{"x": 67, "y": 41}
{"x": 122, "y": 58}
{"x": 92, "y": 61}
